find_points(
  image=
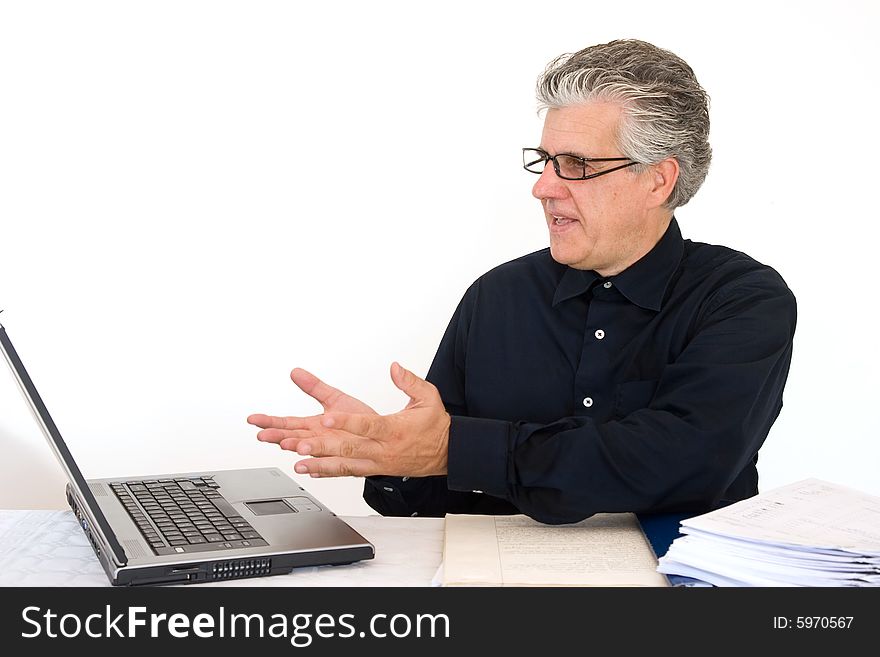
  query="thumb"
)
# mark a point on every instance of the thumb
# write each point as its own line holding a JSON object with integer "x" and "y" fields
{"x": 417, "y": 388}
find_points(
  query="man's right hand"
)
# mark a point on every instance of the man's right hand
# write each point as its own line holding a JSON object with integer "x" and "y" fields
{"x": 330, "y": 398}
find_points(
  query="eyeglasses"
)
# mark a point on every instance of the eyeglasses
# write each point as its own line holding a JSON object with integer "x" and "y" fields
{"x": 569, "y": 167}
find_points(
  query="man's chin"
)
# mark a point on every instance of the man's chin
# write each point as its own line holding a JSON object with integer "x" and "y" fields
{"x": 566, "y": 257}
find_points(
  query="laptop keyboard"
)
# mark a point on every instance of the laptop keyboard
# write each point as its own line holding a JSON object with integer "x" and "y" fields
{"x": 185, "y": 515}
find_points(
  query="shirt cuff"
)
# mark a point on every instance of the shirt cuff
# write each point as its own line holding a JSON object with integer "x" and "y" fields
{"x": 478, "y": 455}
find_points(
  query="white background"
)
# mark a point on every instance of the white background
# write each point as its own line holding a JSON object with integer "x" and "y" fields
{"x": 195, "y": 197}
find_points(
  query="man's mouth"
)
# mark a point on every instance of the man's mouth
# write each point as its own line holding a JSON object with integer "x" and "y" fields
{"x": 561, "y": 221}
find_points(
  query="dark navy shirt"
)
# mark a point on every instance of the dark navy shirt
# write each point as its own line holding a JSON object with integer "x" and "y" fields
{"x": 573, "y": 394}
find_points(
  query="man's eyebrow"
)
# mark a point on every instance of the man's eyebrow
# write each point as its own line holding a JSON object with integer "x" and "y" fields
{"x": 575, "y": 153}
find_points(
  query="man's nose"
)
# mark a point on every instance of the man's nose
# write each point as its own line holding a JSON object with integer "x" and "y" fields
{"x": 549, "y": 185}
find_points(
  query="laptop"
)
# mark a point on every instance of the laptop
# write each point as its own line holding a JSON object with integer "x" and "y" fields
{"x": 186, "y": 528}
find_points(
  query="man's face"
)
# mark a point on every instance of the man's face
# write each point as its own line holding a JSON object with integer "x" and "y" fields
{"x": 604, "y": 223}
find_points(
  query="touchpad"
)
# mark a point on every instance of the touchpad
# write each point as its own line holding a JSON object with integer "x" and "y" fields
{"x": 269, "y": 507}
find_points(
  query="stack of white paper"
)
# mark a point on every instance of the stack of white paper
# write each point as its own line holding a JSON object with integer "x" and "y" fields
{"x": 810, "y": 533}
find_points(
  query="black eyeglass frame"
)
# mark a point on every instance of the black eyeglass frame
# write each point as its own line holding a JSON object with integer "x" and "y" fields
{"x": 546, "y": 157}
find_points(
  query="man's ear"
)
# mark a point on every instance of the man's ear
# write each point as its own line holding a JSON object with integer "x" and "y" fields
{"x": 663, "y": 177}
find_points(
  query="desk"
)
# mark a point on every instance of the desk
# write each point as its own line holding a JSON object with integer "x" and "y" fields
{"x": 48, "y": 548}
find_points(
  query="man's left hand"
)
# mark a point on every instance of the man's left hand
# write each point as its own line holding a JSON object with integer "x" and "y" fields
{"x": 412, "y": 442}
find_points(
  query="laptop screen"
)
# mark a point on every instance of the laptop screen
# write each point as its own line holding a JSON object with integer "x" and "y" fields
{"x": 60, "y": 448}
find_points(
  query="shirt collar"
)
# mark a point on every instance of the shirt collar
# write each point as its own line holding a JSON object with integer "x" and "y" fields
{"x": 644, "y": 283}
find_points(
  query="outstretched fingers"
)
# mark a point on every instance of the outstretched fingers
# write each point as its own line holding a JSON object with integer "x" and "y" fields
{"x": 277, "y": 429}
{"x": 359, "y": 424}
{"x": 289, "y": 423}
{"x": 279, "y": 436}
{"x": 335, "y": 466}
{"x": 334, "y": 443}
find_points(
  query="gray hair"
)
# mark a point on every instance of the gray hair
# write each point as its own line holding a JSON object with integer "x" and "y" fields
{"x": 665, "y": 110}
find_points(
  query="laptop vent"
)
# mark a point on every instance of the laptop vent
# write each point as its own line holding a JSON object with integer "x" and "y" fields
{"x": 134, "y": 550}
{"x": 240, "y": 568}
{"x": 98, "y": 490}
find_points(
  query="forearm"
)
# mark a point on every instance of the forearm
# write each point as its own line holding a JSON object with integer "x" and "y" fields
{"x": 570, "y": 469}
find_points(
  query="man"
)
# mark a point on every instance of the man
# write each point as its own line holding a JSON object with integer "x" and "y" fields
{"x": 622, "y": 369}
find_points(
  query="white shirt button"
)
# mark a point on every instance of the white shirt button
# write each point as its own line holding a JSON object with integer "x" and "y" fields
{"x": 607, "y": 284}
{"x": 599, "y": 334}
{"x": 588, "y": 401}
{"x": 405, "y": 479}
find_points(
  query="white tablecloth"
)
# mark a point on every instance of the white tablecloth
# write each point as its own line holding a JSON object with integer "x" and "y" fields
{"x": 48, "y": 548}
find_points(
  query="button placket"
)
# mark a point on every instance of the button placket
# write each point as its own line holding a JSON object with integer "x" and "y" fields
{"x": 595, "y": 357}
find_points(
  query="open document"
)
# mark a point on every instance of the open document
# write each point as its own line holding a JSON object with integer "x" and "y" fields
{"x": 604, "y": 550}
{"x": 810, "y": 533}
